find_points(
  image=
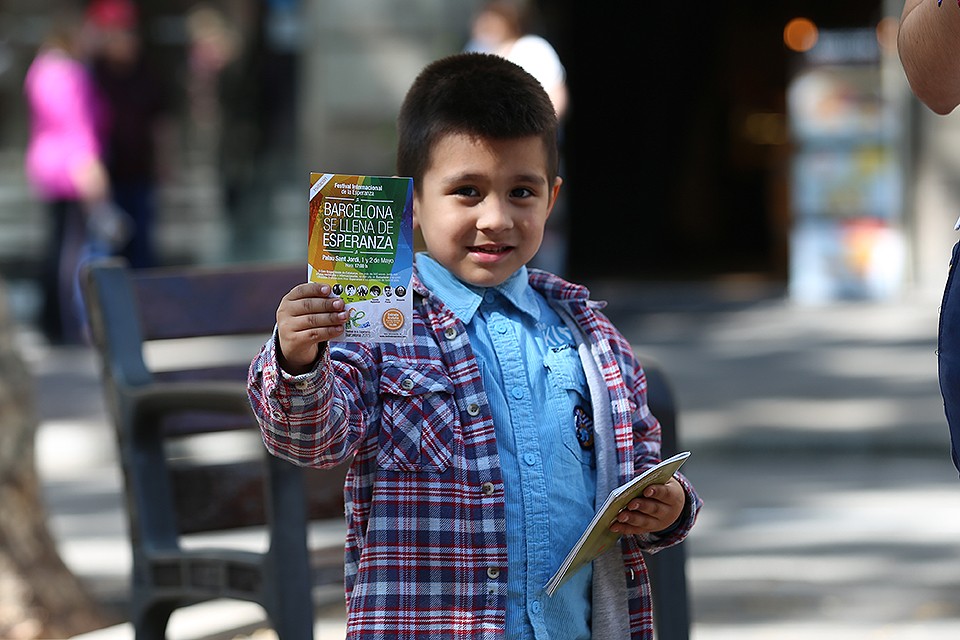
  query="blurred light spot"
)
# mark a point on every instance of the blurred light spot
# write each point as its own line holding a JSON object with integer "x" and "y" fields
{"x": 765, "y": 128}
{"x": 800, "y": 34}
{"x": 887, "y": 34}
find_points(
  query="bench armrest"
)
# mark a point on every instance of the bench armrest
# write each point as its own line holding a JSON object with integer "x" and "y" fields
{"x": 149, "y": 406}
{"x": 171, "y": 397}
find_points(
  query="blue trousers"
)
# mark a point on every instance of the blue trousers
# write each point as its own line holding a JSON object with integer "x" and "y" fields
{"x": 948, "y": 354}
{"x": 59, "y": 319}
{"x": 138, "y": 199}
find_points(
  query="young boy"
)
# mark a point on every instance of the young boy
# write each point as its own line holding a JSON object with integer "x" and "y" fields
{"x": 479, "y": 450}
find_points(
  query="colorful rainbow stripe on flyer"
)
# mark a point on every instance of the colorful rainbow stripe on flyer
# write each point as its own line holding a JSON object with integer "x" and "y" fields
{"x": 361, "y": 244}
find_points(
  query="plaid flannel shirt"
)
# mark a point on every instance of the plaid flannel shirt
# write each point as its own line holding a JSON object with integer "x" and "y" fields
{"x": 426, "y": 548}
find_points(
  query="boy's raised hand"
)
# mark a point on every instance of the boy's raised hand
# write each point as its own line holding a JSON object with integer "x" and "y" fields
{"x": 657, "y": 510}
{"x": 307, "y": 316}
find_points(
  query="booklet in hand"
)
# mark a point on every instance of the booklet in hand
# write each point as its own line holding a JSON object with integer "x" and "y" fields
{"x": 597, "y": 537}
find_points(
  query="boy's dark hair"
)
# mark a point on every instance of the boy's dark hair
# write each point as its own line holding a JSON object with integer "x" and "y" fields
{"x": 476, "y": 94}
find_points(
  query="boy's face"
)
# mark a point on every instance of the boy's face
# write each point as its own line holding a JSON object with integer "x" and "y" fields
{"x": 482, "y": 205}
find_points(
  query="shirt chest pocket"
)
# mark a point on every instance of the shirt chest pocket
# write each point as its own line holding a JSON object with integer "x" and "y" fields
{"x": 420, "y": 423}
{"x": 569, "y": 396}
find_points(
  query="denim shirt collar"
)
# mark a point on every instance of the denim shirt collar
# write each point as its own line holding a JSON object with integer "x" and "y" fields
{"x": 464, "y": 299}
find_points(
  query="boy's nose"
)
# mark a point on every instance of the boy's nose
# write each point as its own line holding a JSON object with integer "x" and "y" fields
{"x": 495, "y": 215}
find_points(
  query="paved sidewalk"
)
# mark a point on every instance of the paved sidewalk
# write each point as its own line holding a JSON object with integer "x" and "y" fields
{"x": 819, "y": 448}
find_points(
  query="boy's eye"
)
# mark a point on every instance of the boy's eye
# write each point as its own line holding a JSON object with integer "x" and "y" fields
{"x": 468, "y": 192}
{"x": 521, "y": 192}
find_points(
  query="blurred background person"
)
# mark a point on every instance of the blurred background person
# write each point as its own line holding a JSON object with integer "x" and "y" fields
{"x": 63, "y": 166}
{"x": 213, "y": 45}
{"x": 137, "y": 121}
{"x": 262, "y": 127}
{"x": 503, "y": 28}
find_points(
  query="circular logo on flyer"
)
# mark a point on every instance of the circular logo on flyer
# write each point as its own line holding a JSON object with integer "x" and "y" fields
{"x": 392, "y": 319}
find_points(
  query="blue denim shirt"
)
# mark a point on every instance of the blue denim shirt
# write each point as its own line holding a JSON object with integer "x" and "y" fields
{"x": 535, "y": 382}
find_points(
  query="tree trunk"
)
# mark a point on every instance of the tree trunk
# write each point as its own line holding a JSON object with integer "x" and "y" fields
{"x": 39, "y": 596}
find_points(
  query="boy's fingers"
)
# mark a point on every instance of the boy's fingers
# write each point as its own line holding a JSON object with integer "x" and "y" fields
{"x": 655, "y": 497}
{"x": 633, "y": 522}
{"x": 312, "y": 321}
{"x": 300, "y": 305}
{"x": 645, "y": 507}
{"x": 325, "y": 320}
{"x": 662, "y": 491}
{"x": 309, "y": 290}
{"x": 651, "y": 495}
{"x": 326, "y": 332}
{"x": 314, "y": 307}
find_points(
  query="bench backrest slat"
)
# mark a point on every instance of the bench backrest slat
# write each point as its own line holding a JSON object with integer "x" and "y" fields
{"x": 162, "y": 296}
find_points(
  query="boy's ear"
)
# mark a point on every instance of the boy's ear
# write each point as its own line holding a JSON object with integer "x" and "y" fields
{"x": 418, "y": 243}
{"x": 554, "y": 192}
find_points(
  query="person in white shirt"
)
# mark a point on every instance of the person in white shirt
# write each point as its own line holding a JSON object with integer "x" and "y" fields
{"x": 499, "y": 28}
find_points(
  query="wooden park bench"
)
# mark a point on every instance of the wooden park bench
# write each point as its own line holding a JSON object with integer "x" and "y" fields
{"x": 189, "y": 446}
{"x": 159, "y": 406}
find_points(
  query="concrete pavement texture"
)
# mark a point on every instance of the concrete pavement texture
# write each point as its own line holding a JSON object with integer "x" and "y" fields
{"x": 819, "y": 448}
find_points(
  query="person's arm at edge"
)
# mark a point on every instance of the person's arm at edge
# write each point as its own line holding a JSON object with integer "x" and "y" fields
{"x": 928, "y": 42}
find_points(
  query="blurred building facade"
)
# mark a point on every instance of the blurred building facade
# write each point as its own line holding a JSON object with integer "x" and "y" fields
{"x": 679, "y": 146}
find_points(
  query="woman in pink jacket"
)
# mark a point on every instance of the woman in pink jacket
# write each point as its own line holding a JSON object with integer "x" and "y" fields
{"x": 63, "y": 165}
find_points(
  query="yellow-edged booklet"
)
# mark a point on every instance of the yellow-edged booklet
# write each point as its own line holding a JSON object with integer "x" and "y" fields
{"x": 597, "y": 537}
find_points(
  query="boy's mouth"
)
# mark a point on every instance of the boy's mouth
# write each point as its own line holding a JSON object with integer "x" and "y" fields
{"x": 490, "y": 249}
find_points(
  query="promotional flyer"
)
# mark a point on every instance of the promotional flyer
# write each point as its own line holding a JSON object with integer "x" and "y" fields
{"x": 361, "y": 244}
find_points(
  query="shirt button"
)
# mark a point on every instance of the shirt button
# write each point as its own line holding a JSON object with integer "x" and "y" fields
{"x": 302, "y": 385}
{"x": 488, "y": 296}
{"x": 530, "y": 459}
{"x": 516, "y": 392}
{"x": 487, "y": 488}
{"x": 493, "y": 573}
{"x": 536, "y": 606}
{"x": 501, "y": 329}
{"x": 450, "y": 333}
{"x": 473, "y": 409}
{"x": 407, "y": 384}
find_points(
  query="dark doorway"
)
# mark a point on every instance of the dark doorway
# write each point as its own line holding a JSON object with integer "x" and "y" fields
{"x": 667, "y": 174}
